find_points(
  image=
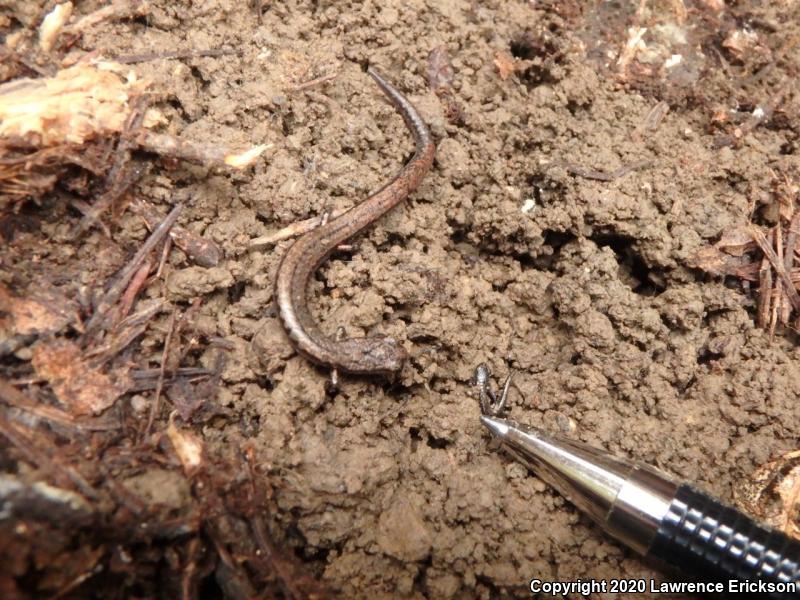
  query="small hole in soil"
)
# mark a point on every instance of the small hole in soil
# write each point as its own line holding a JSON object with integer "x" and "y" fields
{"x": 522, "y": 47}
{"x": 438, "y": 443}
{"x": 310, "y": 555}
{"x": 265, "y": 383}
{"x": 528, "y": 45}
{"x": 143, "y": 20}
{"x": 394, "y": 239}
{"x": 263, "y": 219}
{"x": 500, "y": 287}
{"x": 236, "y": 291}
{"x": 705, "y": 356}
{"x": 543, "y": 190}
{"x": 197, "y": 74}
{"x": 539, "y": 47}
{"x": 459, "y": 236}
{"x": 632, "y": 265}
{"x": 494, "y": 591}
{"x": 416, "y": 438}
{"x": 688, "y": 385}
{"x": 179, "y": 108}
{"x": 419, "y": 580}
{"x": 12, "y": 224}
{"x": 249, "y": 426}
{"x": 556, "y": 240}
{"x": 287, "y": 123}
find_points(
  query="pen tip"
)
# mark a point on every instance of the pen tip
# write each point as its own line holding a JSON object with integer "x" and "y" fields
{"x": 498, "y": 427}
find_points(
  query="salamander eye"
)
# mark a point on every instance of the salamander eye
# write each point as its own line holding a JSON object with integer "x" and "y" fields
{"x": 388, "y": 353}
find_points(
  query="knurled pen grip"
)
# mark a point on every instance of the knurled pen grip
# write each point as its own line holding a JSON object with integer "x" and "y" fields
{"x": 715, "y": 542}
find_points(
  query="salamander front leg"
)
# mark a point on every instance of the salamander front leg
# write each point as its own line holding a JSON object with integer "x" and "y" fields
{"x": 490, "y": 403}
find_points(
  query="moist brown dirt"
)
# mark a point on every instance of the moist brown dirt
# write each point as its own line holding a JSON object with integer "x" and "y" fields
{"x": 503, "y": 255}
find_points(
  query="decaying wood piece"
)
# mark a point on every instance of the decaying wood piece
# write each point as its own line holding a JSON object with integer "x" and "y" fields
{"x": 48, "y": 123}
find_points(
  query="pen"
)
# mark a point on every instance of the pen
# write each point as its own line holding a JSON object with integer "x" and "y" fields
{"x": 658, "y": 517}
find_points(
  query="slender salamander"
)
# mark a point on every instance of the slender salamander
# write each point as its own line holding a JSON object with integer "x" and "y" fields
{"x": 379, "y": 355}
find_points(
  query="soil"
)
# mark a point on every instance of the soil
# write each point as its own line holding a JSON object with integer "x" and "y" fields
{"x": 507, "y": 254}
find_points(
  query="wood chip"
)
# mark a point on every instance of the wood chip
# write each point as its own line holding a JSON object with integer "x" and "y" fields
{"x": 505, "y": 64}
{"x": 42, "y": 311}
{"x": 187, "y": 445}
{"x": 81, "y": 388}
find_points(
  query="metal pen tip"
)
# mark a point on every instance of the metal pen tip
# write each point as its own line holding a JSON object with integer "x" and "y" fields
{"x": 606, "y": 487}
{"x": 498, "y": 427}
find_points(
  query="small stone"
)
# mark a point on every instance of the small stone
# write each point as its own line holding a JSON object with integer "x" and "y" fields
{"x": 139, "y": 404}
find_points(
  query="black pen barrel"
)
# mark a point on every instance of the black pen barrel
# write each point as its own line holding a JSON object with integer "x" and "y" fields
{"x": 715, "y": 542}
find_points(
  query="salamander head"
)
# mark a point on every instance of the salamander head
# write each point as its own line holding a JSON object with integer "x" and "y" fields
{"x": 373, "y": 355}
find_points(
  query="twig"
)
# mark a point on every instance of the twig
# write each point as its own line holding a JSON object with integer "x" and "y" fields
{"x": 78, "y": 580}
{"x": 188, "y": 585}
{"x": 778, "y": 56}
{"x": 118, "y": 9}
{"x": 164, "y": 256}
{"x": 123, "y": 495}
{"x": 791, "y": 248}
{"x": 196, "y": 152}
{"x": 777, "y": 264}
{"x": 187, "y": 317}
{"x": 764, "y": 293}
{"x": 600, "y": 175}
{"x": 162, "y": 370}
{"x": 64, "y": 475}
{"x": 144, "y": 314}
{"x": 782, "y": 310}
{"x": 234, "y": 580}
{"x": 791, "y": 242}
{"x": 266, "y": 547}
{"x": 177, "y": 54}
{"x": 296, "y": 228}
{"x": 88, "y": 212}
{"x": 123, "y": 336}
{"x": 115, "y": 291}
{"x": 776, "y": 293}
{"x": 13, "y": 397}
{"x": 139, "y": 279}
{"x": 142, "y": 374}
{"x": 312, "y": 83}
